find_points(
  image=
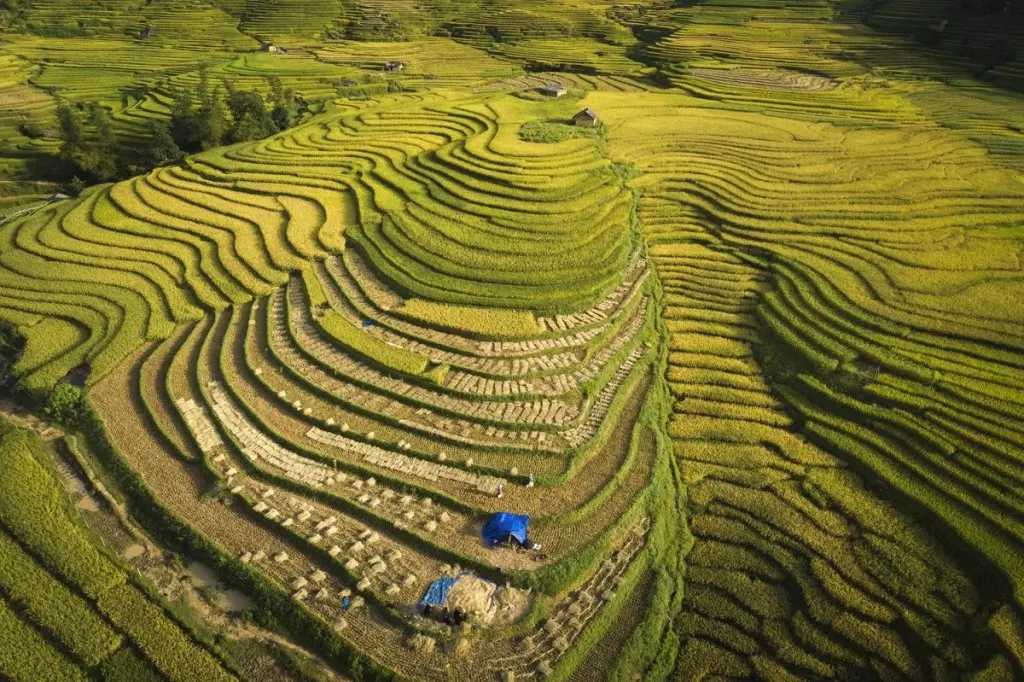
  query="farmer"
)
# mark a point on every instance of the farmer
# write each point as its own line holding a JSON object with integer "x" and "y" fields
{"x": 529, "y": 484}
{"x": 501, "y": 491}
{"x": 345, "y": 603}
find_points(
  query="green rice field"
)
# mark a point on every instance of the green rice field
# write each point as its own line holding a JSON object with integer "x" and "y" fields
{"x": 748, "y": 351}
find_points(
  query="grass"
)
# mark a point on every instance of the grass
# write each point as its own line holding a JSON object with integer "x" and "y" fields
{"x": 556, "y": 130}
{"x": 486, "y": 322}
{"x": 125, "y": 665}
{"x": 50, "y": 605}
{"x": 352, "y": 339}
{"x": 32, "y": 510}
{"x": 766, "y": 298}
{"x": 447, "y": 321}
{"x": 770, "y": 307}
{"x": 65, "y": 589}
{"x": 147, "y": 625}
{"x": 27, "y": 655}
{"x": 189, "y": 237}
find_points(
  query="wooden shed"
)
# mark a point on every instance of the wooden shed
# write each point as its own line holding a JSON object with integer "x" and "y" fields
{"x": 554, "y": 90}
{"x": 586, "y": 118}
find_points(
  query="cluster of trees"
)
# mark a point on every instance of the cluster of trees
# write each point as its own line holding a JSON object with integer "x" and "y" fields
{"x": 12, "y": 343}
{"x": 87, "y": 157}
{"x": 206, "y": 118}
{"x": 201, "y": 118}
{"x": 988, "y": 55}
{"x": 10, "y": 13}
{"x": 994, "y": 54}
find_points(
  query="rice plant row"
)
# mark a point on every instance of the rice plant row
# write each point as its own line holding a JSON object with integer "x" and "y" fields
{"x": 844, "y": 411}
{"x": 68, "y": 608}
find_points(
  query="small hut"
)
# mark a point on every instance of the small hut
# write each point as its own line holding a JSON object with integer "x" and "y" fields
{"x": 394, "y": 65}
{"x": 554, "y": 90}
{"x": 267, "y": 46}
{"x": 586, "y": 118}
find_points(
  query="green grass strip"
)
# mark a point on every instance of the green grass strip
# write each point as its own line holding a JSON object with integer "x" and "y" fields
{"x": 32, "y": 509}
{"x": 51, "y": 606}
{"x": 351, "y": 338}
{"x": 26, "y": 657}
{"x": 163, "y": 642}
{"x": 126, "y": 666}
{"x": 473, "y": 320}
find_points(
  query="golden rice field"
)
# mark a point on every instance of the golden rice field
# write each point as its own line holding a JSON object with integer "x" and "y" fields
{"x": 749, "y": 353}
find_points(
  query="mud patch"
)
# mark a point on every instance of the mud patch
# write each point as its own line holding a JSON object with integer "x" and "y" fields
{"x": 88, "y": 503}
{"x": 230, "y": 600}
{"x": 133, "y": 551}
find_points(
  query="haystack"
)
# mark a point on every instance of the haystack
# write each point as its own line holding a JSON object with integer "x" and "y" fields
{"x": 473, "y": 595}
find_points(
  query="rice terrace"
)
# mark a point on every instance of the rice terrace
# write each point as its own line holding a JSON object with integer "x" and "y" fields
{"x": 502, "y": 340}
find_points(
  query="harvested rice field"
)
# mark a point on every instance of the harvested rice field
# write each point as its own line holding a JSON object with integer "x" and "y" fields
{"x": 568, "y": 341}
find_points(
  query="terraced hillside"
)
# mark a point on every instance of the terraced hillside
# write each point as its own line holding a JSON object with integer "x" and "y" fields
{"x": 132, "y": 57}
{"x": 70, "y": 611}
{"x": 424, "y": 196}
{"x": 984, "y": 37}
{"x": 310, "y": 324}
{"x": 807, "y": 361}
{"x": 748, "y": 352}
{"x": 844, "y": 355}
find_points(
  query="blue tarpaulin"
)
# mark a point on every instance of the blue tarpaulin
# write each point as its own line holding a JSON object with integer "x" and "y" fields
{"x": 503, "y": 525}
{"x": 437, "y": 593}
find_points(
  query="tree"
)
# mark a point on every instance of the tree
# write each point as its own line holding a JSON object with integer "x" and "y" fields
{"x": 12, "y": 342}
{"x": 100, "y": 120}
{"x": 285, "y": 106}
{"x": 213, "y": 120}
{"x": 10, "y": 12}
{"x": 162, "y": 148}
{"x": 199, "y": 119}
{"x": 249, "y": 112}
{"x": 100, "y": 158}
{"x": 184, "y": 123}
{"x": 72, "y": 133}
{"x": 203, "y": 94}
{"x": 997, "y": 54}
{"x": 64, "y": 405}
{"x": 76, "y": 185}
{"x": 96, "y": 158}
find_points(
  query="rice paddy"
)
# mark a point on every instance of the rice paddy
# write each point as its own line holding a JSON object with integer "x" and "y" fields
{"x": 69, "y": 608}
{"x": 747, "y": 352}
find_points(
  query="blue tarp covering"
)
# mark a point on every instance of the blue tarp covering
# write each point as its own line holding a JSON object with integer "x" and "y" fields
{"x": 437, "y": 593}
{"x": 503, "y": 524}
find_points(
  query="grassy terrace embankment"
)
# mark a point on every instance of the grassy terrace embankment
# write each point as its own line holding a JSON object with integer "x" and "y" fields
{"x": 844, "y": 355}
{"x": 69, "y": 609}
{"x": 756, "y": 339}
{"x": 320, "y": 349}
